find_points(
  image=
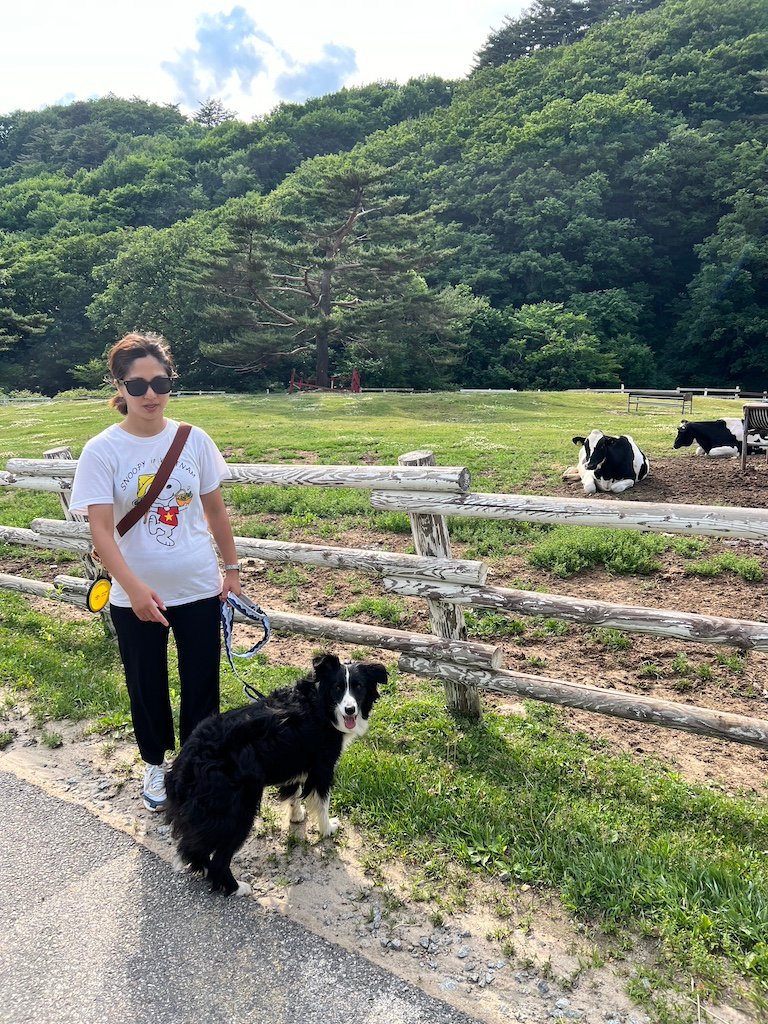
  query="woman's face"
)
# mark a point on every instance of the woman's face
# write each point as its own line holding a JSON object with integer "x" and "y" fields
{"x": 147, "y": 409}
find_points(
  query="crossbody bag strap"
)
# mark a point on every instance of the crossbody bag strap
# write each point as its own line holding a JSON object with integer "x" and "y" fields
{"x": 161, "y": 477}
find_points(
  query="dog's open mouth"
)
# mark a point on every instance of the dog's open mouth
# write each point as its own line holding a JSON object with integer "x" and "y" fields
{"x": 350, "y": 721}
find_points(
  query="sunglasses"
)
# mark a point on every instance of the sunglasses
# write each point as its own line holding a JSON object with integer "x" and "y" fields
{"x": 137, "y": 386}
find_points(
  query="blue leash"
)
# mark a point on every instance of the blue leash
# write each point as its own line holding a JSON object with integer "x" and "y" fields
{"x": 253, "y": 613}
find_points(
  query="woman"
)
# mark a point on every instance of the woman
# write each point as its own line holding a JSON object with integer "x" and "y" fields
{"x": 164, "y": 570}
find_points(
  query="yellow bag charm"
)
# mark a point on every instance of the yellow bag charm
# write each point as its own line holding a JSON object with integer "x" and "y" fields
{"x": 98, "y": 594}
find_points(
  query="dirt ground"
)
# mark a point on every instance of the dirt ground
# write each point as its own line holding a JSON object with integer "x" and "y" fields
{"x": 546, "y": 967}
{"x": 694, "y": 481}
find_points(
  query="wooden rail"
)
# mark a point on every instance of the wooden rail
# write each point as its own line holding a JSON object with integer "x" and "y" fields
{"x": 456, "y": 570}
{"x": 646, "y": 516}
{"x": 429, "y": 494}
{"x": 467, "y": 653}
{"x": 637, "y": 708}
{"x": 706, "y": 629}
{"x": 36, "y": 474}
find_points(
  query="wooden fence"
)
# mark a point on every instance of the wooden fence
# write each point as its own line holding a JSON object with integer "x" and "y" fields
{"x": 429, "y": 494}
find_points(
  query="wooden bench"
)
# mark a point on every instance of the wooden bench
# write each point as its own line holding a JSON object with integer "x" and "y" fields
{"x": 683, "y": 399}
{"x": 755, "y": 419}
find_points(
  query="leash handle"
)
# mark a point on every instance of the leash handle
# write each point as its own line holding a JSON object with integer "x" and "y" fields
{"x": 253, "y": 613}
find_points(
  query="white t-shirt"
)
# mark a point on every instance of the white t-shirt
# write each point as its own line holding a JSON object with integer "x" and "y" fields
{"x": 170, "y": 549}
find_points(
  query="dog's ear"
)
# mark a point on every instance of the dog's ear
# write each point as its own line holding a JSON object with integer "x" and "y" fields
{"x": 375, "y": 674}
{"x": 324, "y": 664}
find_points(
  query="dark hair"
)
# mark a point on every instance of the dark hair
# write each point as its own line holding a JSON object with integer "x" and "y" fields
{"x": 135, "y": 346}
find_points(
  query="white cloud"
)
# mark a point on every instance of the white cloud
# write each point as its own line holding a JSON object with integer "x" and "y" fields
{"x": 247, "y": 54}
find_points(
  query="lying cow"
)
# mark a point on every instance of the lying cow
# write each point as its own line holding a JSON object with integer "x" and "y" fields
{"x": 718, "y": 438}
{"x": 608, "y": 463}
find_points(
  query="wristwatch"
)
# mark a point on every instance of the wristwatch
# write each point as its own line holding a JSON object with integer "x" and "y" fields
{"x": 234, "y": 567}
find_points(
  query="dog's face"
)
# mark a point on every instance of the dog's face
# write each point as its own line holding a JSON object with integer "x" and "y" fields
{"x": 349, "y": 691}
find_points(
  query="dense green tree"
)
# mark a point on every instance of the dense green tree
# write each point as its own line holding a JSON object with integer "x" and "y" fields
{"x": 723, "y": 334}
{"x": 539, "y": 345}
{"x": 548, "y": 23}
{"x": 613, "y": 187}
{"x": 556, "y": 345}
{"x": 144, "y": 286}
{"x": 618, "y": 318}
{"x": 542, "y": 200}
{"x": 56, "y": 280}
{"x": 80, "y": 134}
{"x": 329, "y": 267}
{"x": 15, "y": 328}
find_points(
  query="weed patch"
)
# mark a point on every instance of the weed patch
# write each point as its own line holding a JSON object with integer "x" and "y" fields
{"x": 483, "y": 624}
{"x": 318, "y": 502}
{"x": 388, "y": 610}
{"x": 65, "y": 669}
{"x": 569, "y": 550}
{"x": 748, "y": 569}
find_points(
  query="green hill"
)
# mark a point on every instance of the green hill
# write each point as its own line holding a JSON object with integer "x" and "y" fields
{"x": 577, "y": 215}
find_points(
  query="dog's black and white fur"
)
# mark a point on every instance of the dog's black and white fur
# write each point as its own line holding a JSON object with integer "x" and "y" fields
{"x": 291, "y": 739}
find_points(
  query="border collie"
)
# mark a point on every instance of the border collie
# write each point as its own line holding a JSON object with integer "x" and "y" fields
{"x": 291, "y": 739}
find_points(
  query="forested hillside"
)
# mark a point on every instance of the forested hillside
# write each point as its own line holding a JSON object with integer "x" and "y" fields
{"x": 573, "y": 213}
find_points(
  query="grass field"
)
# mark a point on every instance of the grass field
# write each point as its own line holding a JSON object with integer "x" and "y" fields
{"x": 629, "y": 847}
{"x": 500, "y": 438}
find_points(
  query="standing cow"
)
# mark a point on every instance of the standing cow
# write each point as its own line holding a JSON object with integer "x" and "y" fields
{"x": 608, "y": 463}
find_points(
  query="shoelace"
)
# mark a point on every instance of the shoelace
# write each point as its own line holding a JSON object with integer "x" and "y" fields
{"x": 251, "y": 611}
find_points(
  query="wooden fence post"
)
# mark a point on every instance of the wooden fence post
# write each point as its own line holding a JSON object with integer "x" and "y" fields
{"x": 91, "y": 568}
{"x": 431, "y": 538}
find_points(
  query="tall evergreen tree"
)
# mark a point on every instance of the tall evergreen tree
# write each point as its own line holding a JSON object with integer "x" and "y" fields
{"x": 212, "y": 113}
{"x": 548, "y": 23}
{"x": 329, "y": 268}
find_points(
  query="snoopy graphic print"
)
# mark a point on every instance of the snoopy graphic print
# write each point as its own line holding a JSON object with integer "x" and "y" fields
{"x": 163, "y": 518}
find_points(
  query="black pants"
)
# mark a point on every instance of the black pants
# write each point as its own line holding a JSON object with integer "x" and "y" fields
{"x": 144, "y": 653}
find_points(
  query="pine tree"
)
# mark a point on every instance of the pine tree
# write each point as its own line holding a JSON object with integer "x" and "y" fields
{"x": 329, "y": 267}
{"x": 212, "y": 113}
{"x": 548, "y": 23}
{"x": 15, "y": 326}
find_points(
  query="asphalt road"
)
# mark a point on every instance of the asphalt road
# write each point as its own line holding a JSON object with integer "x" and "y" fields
{"x": 94, "y": 929}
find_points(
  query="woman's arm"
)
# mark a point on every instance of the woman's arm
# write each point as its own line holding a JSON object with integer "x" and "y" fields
{"x": 218, "y": 523}
{"x": 147, "y": 605}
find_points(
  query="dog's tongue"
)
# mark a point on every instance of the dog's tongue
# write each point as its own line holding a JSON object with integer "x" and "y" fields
{"x": 349, "y": 721}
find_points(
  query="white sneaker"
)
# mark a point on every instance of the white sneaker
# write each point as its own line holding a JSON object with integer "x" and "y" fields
{"x": 153, "y": 791}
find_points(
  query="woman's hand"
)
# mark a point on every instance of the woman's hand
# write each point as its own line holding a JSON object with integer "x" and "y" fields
{"x": 231, "y": 584}
{"x": 146, "y": 604}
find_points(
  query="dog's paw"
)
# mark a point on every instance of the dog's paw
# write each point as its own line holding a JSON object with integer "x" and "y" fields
{"x": 298, "y": 813}
{"x": 331, "y": 828}
{"x": 243, "y": 889}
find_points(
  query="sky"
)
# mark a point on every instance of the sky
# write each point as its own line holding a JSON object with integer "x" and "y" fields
{"x": 251, "y": 55}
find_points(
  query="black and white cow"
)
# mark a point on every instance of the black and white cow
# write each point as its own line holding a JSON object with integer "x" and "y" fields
{"x": 608, "y": 463}
{"x": 718, "y": 438}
